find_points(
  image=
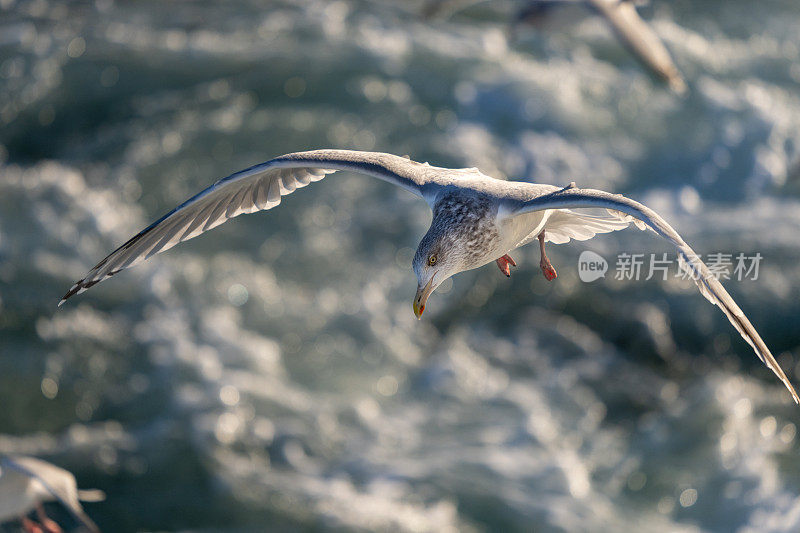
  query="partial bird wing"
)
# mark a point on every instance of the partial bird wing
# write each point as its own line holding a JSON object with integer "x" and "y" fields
{"x": 13, "y": 492}
{"x": 257, "y": 188}
{"x": 640, "y": 39}
{"x": 54, "y": 480}
{"x": 709, "y": 286}
{"x": 91, "y": 495}
{"x": 561, "y": 225}
{"x": 564, "y": 225}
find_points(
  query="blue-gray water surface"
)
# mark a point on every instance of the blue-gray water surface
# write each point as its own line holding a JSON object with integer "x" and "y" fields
{"x": 270, "y": 375}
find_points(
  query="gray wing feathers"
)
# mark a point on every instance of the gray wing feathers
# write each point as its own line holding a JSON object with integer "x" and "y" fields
{"x": 709, "y": 286}
{"x": 254, "y": 189}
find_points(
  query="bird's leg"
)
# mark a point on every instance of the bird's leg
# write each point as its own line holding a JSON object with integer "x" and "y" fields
{"x": 505, "y": 263}
{"x": 49, "y": 525}
{"x": 547, "y": 269}
{"x": 29, "y": 526}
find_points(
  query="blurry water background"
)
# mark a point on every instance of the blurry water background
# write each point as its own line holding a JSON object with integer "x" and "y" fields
{"x": 270, "y": 375}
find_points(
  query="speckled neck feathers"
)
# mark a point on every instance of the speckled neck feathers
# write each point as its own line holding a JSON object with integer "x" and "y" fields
{"x": 462, "y": 232}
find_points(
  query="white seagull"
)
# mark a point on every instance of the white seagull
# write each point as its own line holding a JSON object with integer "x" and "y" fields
{"x": 476, "y": 220}
{"x": 27, "y": 482}
{"x": 621, "y": 15}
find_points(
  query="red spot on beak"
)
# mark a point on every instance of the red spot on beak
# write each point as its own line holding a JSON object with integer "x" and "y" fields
{"x": 421, "y": 298}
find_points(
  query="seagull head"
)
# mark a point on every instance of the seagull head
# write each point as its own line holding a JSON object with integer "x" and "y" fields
{"x": 438, "y": 257}
{"x": 461, "y": 236}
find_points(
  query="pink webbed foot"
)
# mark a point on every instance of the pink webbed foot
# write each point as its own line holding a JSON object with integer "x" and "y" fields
{"x": 30, "y": 526}
{"x": 547, "y": 269}
{"x": 49, "y": 525}
{"x": 505, "y": 263}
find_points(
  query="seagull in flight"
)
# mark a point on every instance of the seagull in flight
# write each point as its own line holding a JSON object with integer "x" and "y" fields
{"x": 27, "y": 482}
{"x": 621, "y": 16}
{"x": 476, "y": 220}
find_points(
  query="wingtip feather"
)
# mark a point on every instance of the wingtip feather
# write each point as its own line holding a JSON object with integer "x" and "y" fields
{"x": 792, "y": 391}
{"x": 75, "y": 289}
{"x": 91, "y": 495}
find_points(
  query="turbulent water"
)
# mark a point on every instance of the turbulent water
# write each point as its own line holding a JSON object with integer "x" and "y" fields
{"x": 270, "y": 375}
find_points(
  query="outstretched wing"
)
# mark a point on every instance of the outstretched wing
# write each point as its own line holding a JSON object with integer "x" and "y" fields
{"x": 709, "y": 286}
{"x": 257, "y": 188}
{"x": 640, "y": 39}
{"x": 58, "y": 482}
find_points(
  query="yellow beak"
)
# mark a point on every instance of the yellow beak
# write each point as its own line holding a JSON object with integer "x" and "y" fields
{"x": 421, "y": 298}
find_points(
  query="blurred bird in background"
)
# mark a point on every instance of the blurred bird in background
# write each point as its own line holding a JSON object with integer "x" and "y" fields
{"x": 621, "y": 16}
{"x": 26, "y": 483}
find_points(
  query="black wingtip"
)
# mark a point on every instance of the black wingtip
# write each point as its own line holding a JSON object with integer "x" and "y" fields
{"x": 78, "y": 288}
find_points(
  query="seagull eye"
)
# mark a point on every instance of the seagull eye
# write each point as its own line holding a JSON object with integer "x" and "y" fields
{"x": 432, "y": 260}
